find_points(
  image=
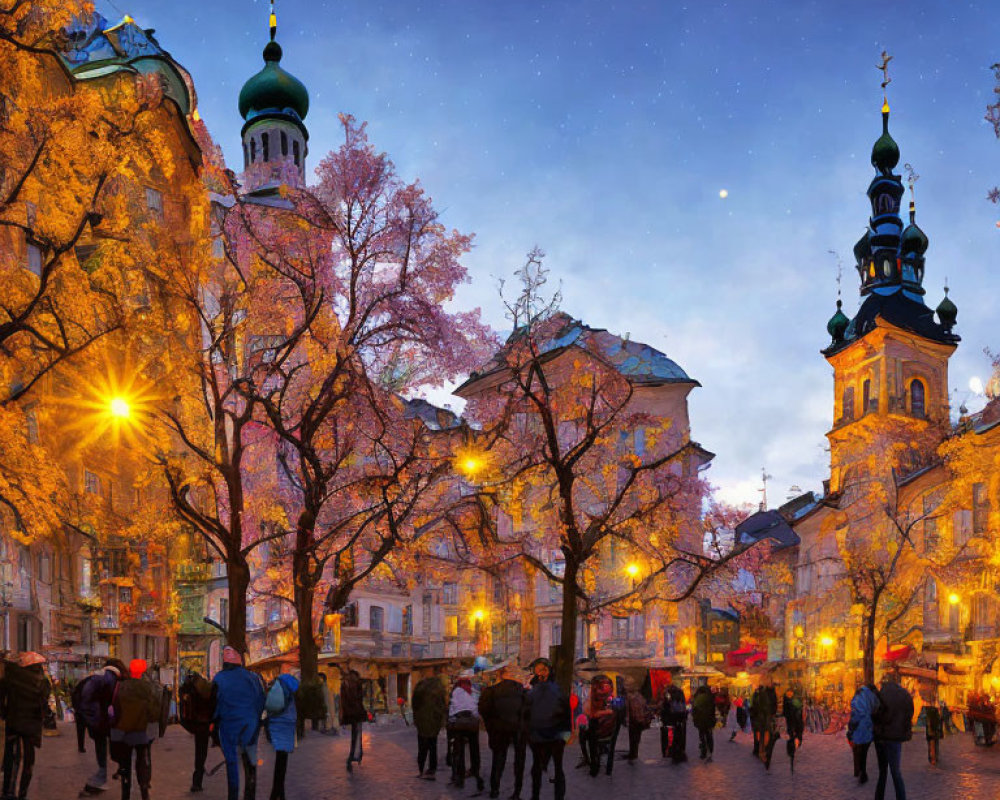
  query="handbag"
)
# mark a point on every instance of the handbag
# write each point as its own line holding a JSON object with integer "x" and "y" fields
{"x": 464, "y": 722}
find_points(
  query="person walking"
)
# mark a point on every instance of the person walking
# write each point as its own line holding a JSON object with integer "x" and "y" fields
{"x": 279, "y": 703}
{"x": 703, "y": 717}
{"x": 24, "y": 695}
{"x": 673, "y": 716}
{"x": 639, "y": 715}
{"x": 741, "y": 717}
{"x": 603, "y": 724}
{"x": 501, "y": 707}
{"x": 430, "y": 712}
{"x": 136, "y": 707}
{"x": 547, "y": 712}
{"x": 934, "y": 731}
{"x": 196, "y": 710}
{"x": 791, "y": 710}
{"x": 94, "y": 699}
{"x": 239, "y": 703}
{"x": 463, "y": 727}
{"x": 763, "y": 711}
{"x": 353, "y": 713}
{"x": 893, "y": 726}
{"x": 860, "y": 728}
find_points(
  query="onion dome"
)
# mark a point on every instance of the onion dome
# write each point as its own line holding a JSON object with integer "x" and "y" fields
{"x": 913, "y": 239}
{"x": 947, "y": 311}
{"x": 273, "y": 90}
{"x": 885, "y": 151}
{"x": 837, "y": 326}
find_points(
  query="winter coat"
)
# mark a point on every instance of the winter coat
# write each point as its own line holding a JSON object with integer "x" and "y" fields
{"x": 673, "y": 706}
{"x": 282, "y": 726}
{"x": 430, "y": 707}
{"x": 352, "y": 701}
{"x": 94, "y": 693}
{"x": 136, "y": 704}
{"x": 703, "y": 710}
{"x": 547, "y": 712}
{"x": 763, "y": 707}
{"x": 791, "y": 710}
{"x": 239, "y": 704}
{"x": 864, "y": 705}
{"x": 502, "y": 708}
{"x": 24, "y": 698}
{"x": 894, "y": 720}
{"x": 197, "y": 702}
{"x": 933, "y": 721}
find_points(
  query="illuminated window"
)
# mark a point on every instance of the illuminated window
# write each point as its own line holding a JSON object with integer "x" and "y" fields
{"x": 451, "y": 625}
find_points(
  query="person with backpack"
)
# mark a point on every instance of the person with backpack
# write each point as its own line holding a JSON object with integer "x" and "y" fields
{"x": 279, "y": 703}
{"x": 893, "y": 726}
{"x": 239, "y": 704}
{"x": 136, "y": 708}
{"x": 860, "y": 728}
{"x": 91, "y": 701}
{"x": 639, "y": 715}
{"x": 197, "y": 707}
{"x": 24, "y": 696}
{"x": 501, "y": 707}
{"x": 353, "y": 713}
{"x": 430, "y": 712}
{"x": 548, "y": 715}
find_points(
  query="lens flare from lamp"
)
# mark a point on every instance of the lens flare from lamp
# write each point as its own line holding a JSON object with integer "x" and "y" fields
{"x": 826, "y": 641}
{"x": 120, "y": 407}
{"x": 632, "y": 570}
{"x": 954, "y": 599}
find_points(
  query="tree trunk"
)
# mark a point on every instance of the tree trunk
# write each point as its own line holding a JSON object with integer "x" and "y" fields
{"x": 305, "y": 593}
{"x": 238, "y": 579}
{"x": 868, "y": 646}
{"x": 566, "y": 652}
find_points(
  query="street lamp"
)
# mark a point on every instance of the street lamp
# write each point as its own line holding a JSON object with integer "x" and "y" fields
{"x": 632, "y": 570}
{"x": 120, "y": 407}
{"x": 954, "y": 599}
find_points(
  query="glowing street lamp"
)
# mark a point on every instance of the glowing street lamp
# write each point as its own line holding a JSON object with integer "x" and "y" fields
{"x": 954, "y": 599}
{"x": 826, "y": 641}
{"x": 478, "y": 615}
{"x": 632, "y": 570}
{"x": 119, "y": 408}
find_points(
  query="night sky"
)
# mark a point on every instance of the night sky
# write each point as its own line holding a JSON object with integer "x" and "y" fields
{"x": 604, "y": 132}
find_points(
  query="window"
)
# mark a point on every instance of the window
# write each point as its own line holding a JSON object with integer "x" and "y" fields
{"x": 917, "y": 394}
{"x": 154, "y": 201}
{"x": 265, "y": 142}
{"x": 556, "y": 633}
{"x": 847, "y": 404}
{"x": 246, "y": 154}
{"x": 866, "y": 396}
{"x": 407, "y": 617}
{"x": 376, "y": 618}
{"x": 223, "y": 611}
{"x": 350, "y": 616}
{"x": 44, "y": 568}
{"x": 295, "y": 151}
{"x": 980, "y": 509}
{"x": 253, "y": 151}
{"x": 669, "y": 642}
{"x": 449, "y": 594}
{"x": 34, "y": 259}
{"x": 451, "y": 625}
{"x": 962, "y": 527}
{"x": 555, "y": 592}
{"x": 931, "y": 538}
{"x": 619, "y": 628}
{"x": 31, "y": 425}
{"x": 124, "y": 594}
{"x": 91, "y": 482}
{"x": 284, "y": 143}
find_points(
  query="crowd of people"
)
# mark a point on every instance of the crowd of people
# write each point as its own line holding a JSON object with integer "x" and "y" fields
{"x": 123, "y": 710}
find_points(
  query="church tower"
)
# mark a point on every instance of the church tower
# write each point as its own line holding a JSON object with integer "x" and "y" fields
{"x": 890, "y": 362}
{"x": 274, "y": 104}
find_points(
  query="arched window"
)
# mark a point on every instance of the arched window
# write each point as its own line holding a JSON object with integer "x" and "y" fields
{"x": 246, "y": 155}
{"x": 295, "y": 151}
{"x": 866, "y": 396}
{"x": 264, "y": 146}
{"x": 847, "y": 404}
{"x": 917, "y": 397}
{"x": 253, "y": 150}
{"x": 284, "y": 143}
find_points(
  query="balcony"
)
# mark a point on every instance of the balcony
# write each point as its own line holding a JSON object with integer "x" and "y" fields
{"x": 626, "y": 648}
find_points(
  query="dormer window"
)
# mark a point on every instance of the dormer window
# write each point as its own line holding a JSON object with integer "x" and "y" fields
{"x": 917, "y": 399}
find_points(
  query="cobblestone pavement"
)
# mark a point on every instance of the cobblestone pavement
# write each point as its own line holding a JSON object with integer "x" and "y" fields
{"x": 316, "y": 771}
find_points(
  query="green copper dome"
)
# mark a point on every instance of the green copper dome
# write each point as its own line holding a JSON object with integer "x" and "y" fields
{"x": 913, "y": 239}
{"x": 273, "y": 89}
{"x": 837, "y": 325}
{"x": 885, "y": 151}
{"x": 947, "y": 311}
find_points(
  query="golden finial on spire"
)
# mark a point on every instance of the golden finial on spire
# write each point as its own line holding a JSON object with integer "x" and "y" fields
{"x": 886, "y": 80}
{"x": 273, "y": 21}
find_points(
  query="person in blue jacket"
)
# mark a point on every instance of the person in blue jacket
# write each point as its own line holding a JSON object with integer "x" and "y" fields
{"x": 281, "y": 726}
{"x": 860, "y": 729}
{"x": 238, "y": 708}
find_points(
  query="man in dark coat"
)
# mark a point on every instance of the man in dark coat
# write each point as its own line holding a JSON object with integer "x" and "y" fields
{"x": 24, "y": 696}
{"x": 91, "y": 704}
{"x": 548, "y": 715}
{"x": 353, "y": 713}
{"x": 501, "y": 707}
{"x": 136, "y": 707}
{"x": 893, "y": 726}
{"x": 430, "y": 712}
{"x": 196, "y": 710}
{"x": 673, "y": 715}
{"x": 763, "y": 712}
{"x": 703, "y": 716}
{"x": 238, "y": 707}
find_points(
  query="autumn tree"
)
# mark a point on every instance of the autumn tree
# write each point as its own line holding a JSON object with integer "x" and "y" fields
{"x": 582, "y": 457}
{"x": 363, "y": 267}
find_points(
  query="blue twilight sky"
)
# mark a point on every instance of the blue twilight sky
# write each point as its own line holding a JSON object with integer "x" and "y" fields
{"x": 604, "y": 131}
